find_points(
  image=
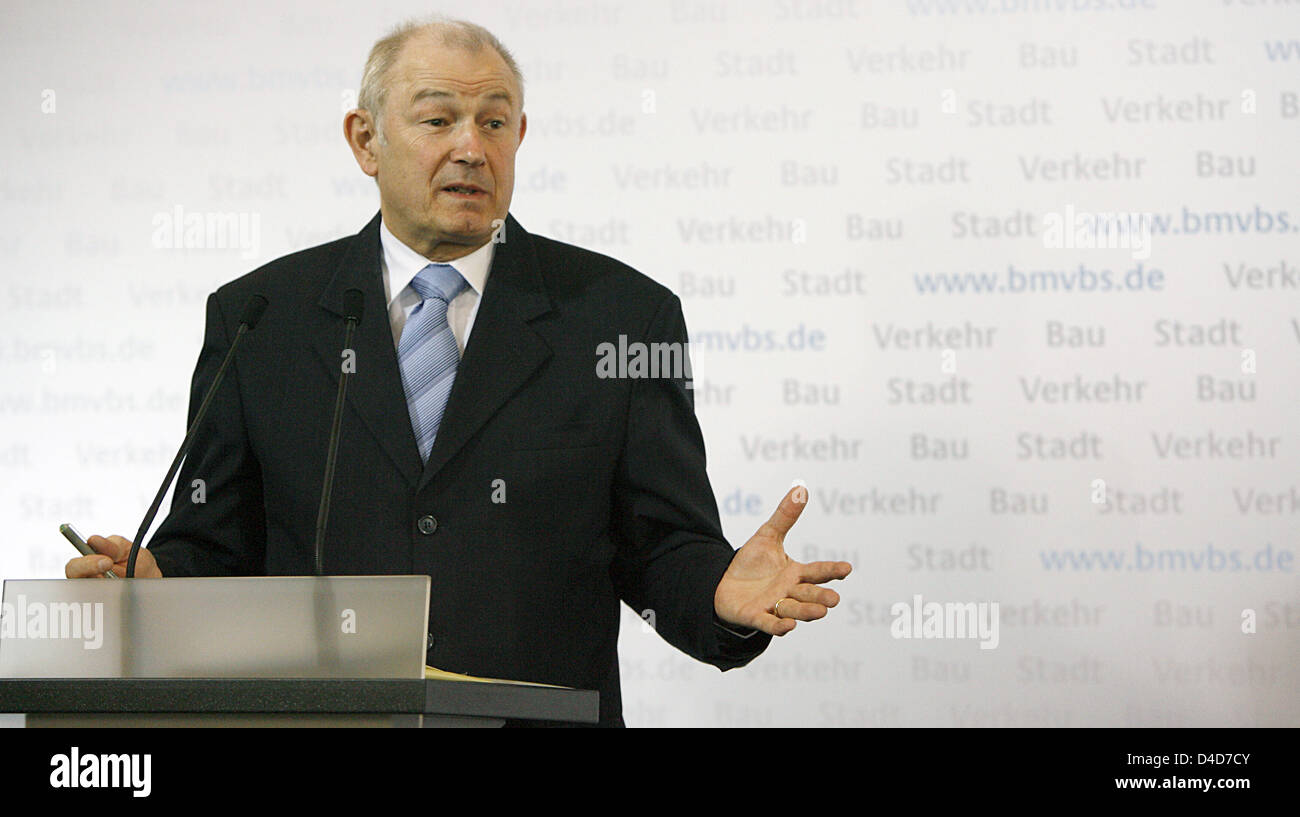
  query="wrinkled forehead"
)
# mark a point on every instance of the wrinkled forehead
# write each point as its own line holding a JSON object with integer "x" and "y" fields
{"x": 428, "y": 71}
{"x": 433, "y": 88}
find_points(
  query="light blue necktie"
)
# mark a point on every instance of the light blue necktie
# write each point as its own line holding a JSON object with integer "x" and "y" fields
{"x": 427, "y": 352}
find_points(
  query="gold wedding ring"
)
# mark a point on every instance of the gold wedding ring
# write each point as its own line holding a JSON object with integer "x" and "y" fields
{"x": 776, "y": 608}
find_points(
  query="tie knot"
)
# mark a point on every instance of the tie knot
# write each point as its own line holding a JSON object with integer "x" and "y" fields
{"x": 440, "y": 281}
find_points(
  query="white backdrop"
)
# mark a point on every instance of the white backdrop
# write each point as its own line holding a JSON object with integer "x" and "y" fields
{"x": 852, "y": 200}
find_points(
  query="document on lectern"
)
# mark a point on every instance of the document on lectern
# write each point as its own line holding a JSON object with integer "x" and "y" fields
{"x": 435, "y": 674}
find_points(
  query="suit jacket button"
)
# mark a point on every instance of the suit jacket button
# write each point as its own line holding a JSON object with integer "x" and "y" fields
{"x": 427, "y": 525}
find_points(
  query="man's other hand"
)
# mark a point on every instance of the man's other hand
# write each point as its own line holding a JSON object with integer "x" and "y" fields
{"x": 114, "y": 551}
{"x": 764, "y": 589}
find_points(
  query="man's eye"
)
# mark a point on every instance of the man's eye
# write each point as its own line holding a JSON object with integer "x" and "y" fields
{"x": 496, "y": 123}
{"x": 437, "y": 123}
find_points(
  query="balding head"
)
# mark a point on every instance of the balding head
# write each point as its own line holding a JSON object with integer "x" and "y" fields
{"x": 438, "y": 32}
{"x": 451, "y": 102}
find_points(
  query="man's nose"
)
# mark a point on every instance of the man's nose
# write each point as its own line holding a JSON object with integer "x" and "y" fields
{"x": 468, "y": 147}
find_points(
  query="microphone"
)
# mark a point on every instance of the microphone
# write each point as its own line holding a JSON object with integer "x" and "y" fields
{"x": 353, "y": 304}
{"x": 247, "y": 321}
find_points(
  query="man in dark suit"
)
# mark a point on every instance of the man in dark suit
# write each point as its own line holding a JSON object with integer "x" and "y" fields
{"x": 482, "y": 445}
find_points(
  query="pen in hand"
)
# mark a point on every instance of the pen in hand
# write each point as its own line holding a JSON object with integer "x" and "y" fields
{"x": 70, "y": 533}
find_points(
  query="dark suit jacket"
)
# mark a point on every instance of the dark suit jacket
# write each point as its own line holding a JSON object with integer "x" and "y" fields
{"x": 604, "y": 479}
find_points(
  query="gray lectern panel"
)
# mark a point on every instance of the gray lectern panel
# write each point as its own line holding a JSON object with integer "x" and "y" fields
{"x": 261, "y": 627}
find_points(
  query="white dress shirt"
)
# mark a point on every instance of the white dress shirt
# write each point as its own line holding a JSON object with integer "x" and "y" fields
{"x": 401, "y": 264}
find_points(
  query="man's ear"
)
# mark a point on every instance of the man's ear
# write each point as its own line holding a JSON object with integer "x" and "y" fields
{"x": 523, "y": 126}
{"x": 359, "y": 131}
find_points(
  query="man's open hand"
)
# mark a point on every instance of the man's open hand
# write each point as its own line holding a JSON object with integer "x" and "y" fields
{"x": 764, "y": 589}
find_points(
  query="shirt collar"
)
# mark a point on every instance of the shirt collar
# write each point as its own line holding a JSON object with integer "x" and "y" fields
{"x": 402, "y": 264}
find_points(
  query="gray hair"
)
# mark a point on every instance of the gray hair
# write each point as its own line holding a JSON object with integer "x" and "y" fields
{"x": 453, "y": 33}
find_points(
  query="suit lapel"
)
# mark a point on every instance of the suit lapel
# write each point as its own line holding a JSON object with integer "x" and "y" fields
{"x": 375, "y": 391}
{"x": 503, "y": 350}
{"x": 502, "y": 354}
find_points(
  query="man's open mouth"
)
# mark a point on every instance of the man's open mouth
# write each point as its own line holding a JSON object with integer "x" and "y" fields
{"x": 464, "y": 190}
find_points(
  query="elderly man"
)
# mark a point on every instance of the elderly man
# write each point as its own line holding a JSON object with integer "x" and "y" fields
{"x": 481, "y": 446}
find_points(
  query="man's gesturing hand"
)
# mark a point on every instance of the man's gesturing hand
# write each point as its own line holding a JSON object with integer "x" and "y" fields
{"x": 761, "y": 576}
{"x": 116, "y": 548}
